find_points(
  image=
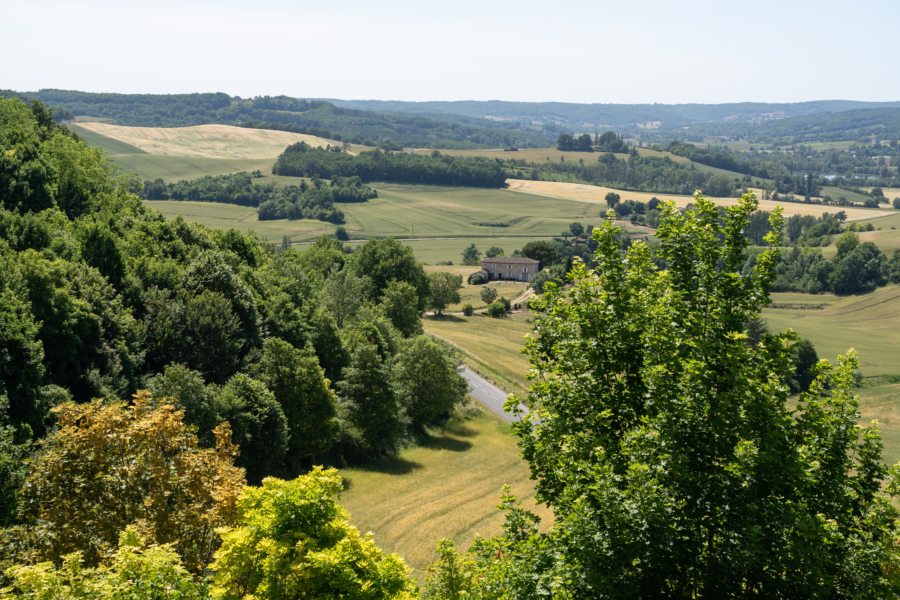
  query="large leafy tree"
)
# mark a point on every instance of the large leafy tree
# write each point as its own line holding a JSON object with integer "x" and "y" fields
{"x": 295, "y": 541}
{"x": 389, "y": 260}
{"x": 108, "y": 466}
{"x": 444, "y": 290}
{"x": 426, "y": 382}
{"x": 258, "y": 423}
{"x": 374, "y": 419}
{"x": 309, "y": 405}
{"x": 666, "y": 445}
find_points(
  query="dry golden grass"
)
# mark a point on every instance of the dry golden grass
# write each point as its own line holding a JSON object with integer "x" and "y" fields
{"x": 448, "y": 487}
{"x": 206, "y": 141}
{"x": 583, "y": 192}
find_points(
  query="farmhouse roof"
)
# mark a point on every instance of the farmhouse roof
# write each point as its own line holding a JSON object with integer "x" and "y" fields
{"x": 510, "y": 260}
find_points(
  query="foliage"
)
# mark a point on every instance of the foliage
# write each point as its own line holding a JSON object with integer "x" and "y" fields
{"x": 108, "y": 466}
{"x": 471, "y": 255}
{"x": 426, "y": 382}
{"x": 13, "y": 453}
{"x": 258, "y": 424}
{"x": 401, "y": 305}
{"x": 493, "y": 251}
{"x": 375, "y": 424}
{"x": 488, "y": 294}
{"x": 136, "y": 571}
{"x": 452, "y": 576}
{"x": 295, "y": 541}
{"x": 301, "y": 201}
{"x": 308, "y": 403}
{"x": 444, "y": 290}
{"x": 498, "y": 308}
{"x": 662, "y": 439}
{"x": 387, "y": 260}
{"x": 302, "y": 160}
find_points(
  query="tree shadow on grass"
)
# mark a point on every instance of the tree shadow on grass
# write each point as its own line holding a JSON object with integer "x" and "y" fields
{"x": 447, "y": 318}
{"x": 392, "y": 465}
{"x": 445, "y": 442}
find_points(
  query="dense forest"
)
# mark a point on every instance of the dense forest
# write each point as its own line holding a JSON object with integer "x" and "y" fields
{"x": 308, "y": 200}
{"x": 303, "y": 160}
{"x": 270, "y": 362}
{"x": 316, "y": 117}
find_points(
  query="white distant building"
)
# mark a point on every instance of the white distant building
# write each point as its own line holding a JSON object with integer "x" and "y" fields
{"x": 514, "y": 268}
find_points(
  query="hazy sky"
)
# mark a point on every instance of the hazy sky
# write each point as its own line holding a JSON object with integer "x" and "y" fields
{"x": 577, "y": 51}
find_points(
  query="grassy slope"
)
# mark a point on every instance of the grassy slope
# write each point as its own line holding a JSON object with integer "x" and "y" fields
{"x": 448, "y": 487}
{"x": 493, "y": 346}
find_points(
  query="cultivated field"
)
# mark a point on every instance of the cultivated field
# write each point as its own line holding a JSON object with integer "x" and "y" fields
{"x": 442, "y": 220}
{"x": 205, "y": 141}
{"x": 448, "y": 487}
{"x": 595, "y": 194}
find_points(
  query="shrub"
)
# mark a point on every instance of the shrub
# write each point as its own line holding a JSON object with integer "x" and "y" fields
{"x": 498, "y": 309}
{"x": 468, "y": 310}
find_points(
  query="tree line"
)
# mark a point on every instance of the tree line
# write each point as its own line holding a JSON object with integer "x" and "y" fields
{"x": 303, "y": 160}
{"x": 308, "y": 200}
{"x": 314, "y": 117}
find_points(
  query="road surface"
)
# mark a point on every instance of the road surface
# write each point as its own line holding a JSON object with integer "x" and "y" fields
{"x": 488, "y": 394}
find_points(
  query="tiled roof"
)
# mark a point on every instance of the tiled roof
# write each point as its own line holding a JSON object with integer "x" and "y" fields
{"x": 511, "y": 260}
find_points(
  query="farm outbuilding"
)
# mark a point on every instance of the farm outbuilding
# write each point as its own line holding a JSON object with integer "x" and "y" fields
{"x": 513, "y": 268}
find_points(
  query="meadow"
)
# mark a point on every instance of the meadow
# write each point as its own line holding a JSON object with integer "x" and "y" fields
{"x": 450, "y": 486}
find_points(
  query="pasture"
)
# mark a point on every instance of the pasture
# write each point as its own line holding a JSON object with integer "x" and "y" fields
{"x": 449, "y": 486}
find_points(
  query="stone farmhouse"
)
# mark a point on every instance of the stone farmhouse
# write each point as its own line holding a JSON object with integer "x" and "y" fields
{"x": 514, "y": 268}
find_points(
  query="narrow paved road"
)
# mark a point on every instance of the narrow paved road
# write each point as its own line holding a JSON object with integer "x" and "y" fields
{"x": 488, "y": 394}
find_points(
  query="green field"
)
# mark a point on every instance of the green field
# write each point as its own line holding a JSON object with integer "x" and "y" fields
{"x": 448, "y": 487}
{"x": 870, "y": 323}
{"x": 443, "y": 220}
{"x": 492, "y": 346}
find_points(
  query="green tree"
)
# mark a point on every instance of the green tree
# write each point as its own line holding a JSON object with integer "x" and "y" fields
{"x": 13, "y": 454}
{"x": 612, "y": 199}
{"x": 846, "y": 244}
{"x": 493, "y": 251}
{"x": 107, "y": 466}
{"x": 860, "y": 270}
{"x": 21, "y": 363}
{"x": 309, "y": 405}
{"x": 259, "y": 427}
{"x": 665, "y": 444}
{"x": 389, "y": 260}
{"x": 719, "y": 186}
{"x": 444, "y": 290}
{"x": 295, "y": 541}
{"x": 189, "y": 392}
{"x": 471, "y": 255}
{"x": 401, "y": 306}
{"x": 344, "y": 293}
{"x": 488, "y": 294}
{"x": 375, "y": 421}
{"x": 426, "y": 382}
{"x": 576, "y": 229}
